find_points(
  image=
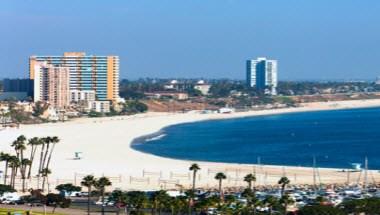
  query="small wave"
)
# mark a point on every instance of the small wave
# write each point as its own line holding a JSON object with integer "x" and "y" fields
{"x": 155, "y": 138}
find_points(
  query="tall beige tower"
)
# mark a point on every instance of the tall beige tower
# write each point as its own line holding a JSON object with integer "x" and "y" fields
{"x": 51, "y": 84}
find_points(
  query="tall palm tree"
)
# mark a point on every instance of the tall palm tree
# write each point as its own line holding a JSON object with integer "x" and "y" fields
{"x": 48, "y": 140}
{"x": 43, "y": 144}
{"x": 250, "y": 178}
{"x": 45, "y": 177}
{"x": 283, "y": 182}
{"x": 19, "y": 146}
{"x": 195, "y": 168}
{"x": 101, "y": 185}
{"x": 220, "y": 177}
{"x": 89, "y": 182}
{"x": 23, "y": 166}
{"x": 54, "y": 140}
{"x": 6, "y": 158}
{"x": 34, "y": 143}
{"x": 14, "y": 163}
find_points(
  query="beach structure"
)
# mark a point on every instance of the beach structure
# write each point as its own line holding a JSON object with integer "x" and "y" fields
{"x": 87, "y": 72}
{"x": 262, "y": 74}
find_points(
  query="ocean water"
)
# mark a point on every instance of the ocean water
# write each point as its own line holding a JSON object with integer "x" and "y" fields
{"x": 335, "y": 138}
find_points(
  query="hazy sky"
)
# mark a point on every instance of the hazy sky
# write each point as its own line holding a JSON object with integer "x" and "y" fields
{"x": 312, "y": 39}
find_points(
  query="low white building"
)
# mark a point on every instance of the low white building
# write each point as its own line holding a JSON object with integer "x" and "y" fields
{"x": 82, "y": 95}
{"x": 203, "y": 87}
{"x": 100, "y": 106}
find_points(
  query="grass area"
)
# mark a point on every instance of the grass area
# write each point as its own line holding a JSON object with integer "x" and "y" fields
{"x": 4, "y": 211}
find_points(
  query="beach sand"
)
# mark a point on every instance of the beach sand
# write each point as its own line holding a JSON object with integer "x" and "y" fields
{"x": 105, "y": 144}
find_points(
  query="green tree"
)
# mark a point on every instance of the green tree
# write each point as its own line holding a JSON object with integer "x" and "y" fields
{"x": 137, "y": 200}
{"x": 45, "y": 172}
{"x": 19, "y": 147}
{"x": 89, "y": 182}
{"x": 100, "y": 185}
{"x": 56, "y": 200}
{"x": 14, "y": 164}
{"x": 159, "y": 200}
{"x": 133, "y": 107}
{"x": 5, "y": 157}
{"x": 39, "y": 108}
{"x": 284, "y": 181}
{"x": 270, "y": 202}
{"x": 250, "y": 178}
{"x": 319, "y": 210}
{"x": 68, "y": 189}
{"x": 252, "y": 201}
{"x": 285, "y": 201}
{"x": 6, "y": 189}
{"x": 34, "y": 143}
{"x": 220, "y": 177}
{"x": 194, "y": 168}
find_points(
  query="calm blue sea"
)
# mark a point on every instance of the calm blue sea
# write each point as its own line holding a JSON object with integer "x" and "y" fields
{"x": 336, "y": 138}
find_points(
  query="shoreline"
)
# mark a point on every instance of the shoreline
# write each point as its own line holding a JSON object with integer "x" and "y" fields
{"x": 106, "y": 147}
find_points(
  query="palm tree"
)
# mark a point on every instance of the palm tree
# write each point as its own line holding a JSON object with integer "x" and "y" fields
{"x": 194, "y": 167}
{"x": 34, "y": 143}
{"x": 283, "y": 182}
{"x": 220, "y": 177}
{"x": 45, "y": 172}
{"x": 249, "y": 179}
{"x": 19, "y": 146}
{"x": 43, "y": 143}
{"x": 23, "y": 165}
{"x": 6, "y": 158}
{"x": 14, "y": 163}
{"x": 101, "y": 185}
{"x": 53, "y": 140}
{"x": 47, "y": 140}
{"x": 89, "y": 182}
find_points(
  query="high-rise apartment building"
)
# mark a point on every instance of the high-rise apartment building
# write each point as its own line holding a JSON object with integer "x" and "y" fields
{"x": 87, "y": 72}
{"x": 262, "y": 74}
{"x": 51, "y": 84}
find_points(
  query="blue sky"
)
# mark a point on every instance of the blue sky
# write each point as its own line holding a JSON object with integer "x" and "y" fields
{"x": 312, "y": 39}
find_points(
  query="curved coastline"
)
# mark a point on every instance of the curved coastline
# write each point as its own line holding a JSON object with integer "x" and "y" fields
{"x": 168, "y": 148}
{"x": 181, "y": 137}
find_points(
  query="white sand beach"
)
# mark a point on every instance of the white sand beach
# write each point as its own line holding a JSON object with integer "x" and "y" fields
{"x": 105, "y": 144}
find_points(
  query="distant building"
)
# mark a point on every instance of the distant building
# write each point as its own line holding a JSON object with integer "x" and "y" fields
{"x": 262, "y": 74}
{"x": 19, "y": 86}
{"x": 203, "y": 87}
{"x": 99, "y": 106}
{"x": 82, "y": 95}
{"x": 51, "y": 84}
{"x": 87, "y": 72}
{"x": 377, "y": 81}
{"x": 179, "y": 86}
{"x": 165, "y": 94}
